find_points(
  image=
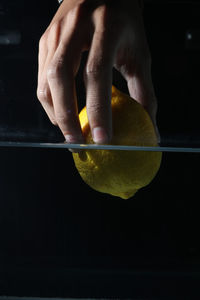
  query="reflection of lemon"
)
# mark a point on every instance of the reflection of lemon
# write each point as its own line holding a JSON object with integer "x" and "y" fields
{"x": 120, "y": 173}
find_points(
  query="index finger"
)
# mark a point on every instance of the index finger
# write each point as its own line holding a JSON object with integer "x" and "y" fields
{"x": 62, "y": 85}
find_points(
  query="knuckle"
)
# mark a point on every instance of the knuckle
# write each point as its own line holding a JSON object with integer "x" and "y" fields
{"x": 95, "y": 68}
{"x": 54, "y": 27}
{"x": 43, "y": 41}
{"x": 53, "y": 33}
{"x": 95, "y": 108}
{"x": 101, "y": 13}
{"x": 75, "y": 14}
{"x": 43, "y": 94}
{"x": 53, "y": 121}
{"x": 55, "y": 70}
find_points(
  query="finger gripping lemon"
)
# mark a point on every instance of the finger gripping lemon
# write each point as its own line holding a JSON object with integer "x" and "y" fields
{"x": 120, "y": 173}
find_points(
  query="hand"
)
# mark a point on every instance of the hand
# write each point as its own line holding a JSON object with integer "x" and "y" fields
{"x": 113, "y": 34}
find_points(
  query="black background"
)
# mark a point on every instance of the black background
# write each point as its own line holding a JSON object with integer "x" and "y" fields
{"x": 60, "y": 238}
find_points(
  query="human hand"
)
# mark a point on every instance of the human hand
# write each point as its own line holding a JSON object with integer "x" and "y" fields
{"x": 113, "y": 34}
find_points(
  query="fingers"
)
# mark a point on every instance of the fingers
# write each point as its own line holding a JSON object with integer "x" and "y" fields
{"x": 61, "y": 82}
{"x": 135, "y": 67}
{"x": 59, "y": 59}
{"x": 43, "y": 90}
{"x": 141, "y": 89}
{"x": 98, "y": 81}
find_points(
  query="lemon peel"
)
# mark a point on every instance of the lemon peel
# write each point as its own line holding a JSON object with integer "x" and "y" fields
{"x": 120, "y": 173}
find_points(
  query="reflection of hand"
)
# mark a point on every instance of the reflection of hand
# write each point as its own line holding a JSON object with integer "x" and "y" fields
{"x": 113, "y": 34}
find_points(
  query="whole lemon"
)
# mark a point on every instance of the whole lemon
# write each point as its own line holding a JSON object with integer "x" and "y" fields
{"x": 116, "y": 172}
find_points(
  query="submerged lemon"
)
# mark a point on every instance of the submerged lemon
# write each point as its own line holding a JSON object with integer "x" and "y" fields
{"x": 120, "y": 173}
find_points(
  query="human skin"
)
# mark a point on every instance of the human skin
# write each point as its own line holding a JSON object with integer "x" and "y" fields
{"x": 113, "y": 34}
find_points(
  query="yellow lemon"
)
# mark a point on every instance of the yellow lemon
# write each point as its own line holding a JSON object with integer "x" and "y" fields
{"x": 120, "y": 173}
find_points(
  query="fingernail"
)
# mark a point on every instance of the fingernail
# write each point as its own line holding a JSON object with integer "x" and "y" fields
{"x": 70, "y": 139}
{"x": 99, "y": 135}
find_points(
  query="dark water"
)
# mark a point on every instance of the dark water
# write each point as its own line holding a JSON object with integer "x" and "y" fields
{"x": 54, "y": 226}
